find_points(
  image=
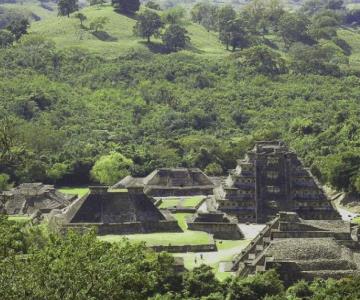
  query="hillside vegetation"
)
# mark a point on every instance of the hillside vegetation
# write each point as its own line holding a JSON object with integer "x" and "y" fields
{"x": 85, "y": 103}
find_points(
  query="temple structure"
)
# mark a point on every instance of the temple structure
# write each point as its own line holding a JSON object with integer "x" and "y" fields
{"x": 166, "y": 182}
{"x": 28, "y": 198}
{"x": 115, "y": 212}
{"x": 270, "y": 179}
{"x": 216, "y": 223}
{"x": 302, "y": 249}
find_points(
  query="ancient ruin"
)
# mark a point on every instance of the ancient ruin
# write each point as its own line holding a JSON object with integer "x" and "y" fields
{"x": 302, "y": 249}
{"x": 115, "y": 212}
{"x": 270, "y": 179}
{"x": 28, "y": 198}
{"x": 216, "y": 223}
{"x": 166, "y": 182}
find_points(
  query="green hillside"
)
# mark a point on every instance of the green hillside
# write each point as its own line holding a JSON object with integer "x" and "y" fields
{"x": 117, "y": 38}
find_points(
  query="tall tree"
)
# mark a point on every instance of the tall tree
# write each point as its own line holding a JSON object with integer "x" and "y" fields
{"x": 175, "y": 37}
{"x": 148, "y": 24}
{"x": 81, "y": 18}
{"x": 126, "y": 6}
{"x": 66, "y": 7}
{"x": 18, "y": 27}
{"x": 6, "y": 38}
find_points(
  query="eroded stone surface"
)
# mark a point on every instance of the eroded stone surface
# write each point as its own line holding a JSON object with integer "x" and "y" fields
{"x": 28, "y": 198}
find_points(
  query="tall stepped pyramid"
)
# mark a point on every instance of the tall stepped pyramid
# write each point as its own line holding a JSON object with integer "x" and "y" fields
{"x": 271, "y": 178}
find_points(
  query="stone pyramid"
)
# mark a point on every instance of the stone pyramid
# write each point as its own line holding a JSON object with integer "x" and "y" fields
{"x": 270, "y": 179}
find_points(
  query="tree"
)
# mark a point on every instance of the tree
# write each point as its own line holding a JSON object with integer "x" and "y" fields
{"x": 4, "y": 182}
{"x": 6, "y": 38}
{"x": 18, "y": 28}
{"x": 81, "y": 18}
{"x": 294, "y": 27}
{"x": 148, "y": 24}
{"x": 205, "y": 14}
{"x": 175, "y": 37}
{"x": 226, "y": 14}
{"x": 153, "y": 5}
{"x": 263, "y": 60}
{"x": 126, "y": 6}
{"x": 200, "y": 282}
{"x": 96, "y": 2}
{"x": 173, "y": 15}
{"x": 110, "y": 168}
{"x": 98, "y": 23}
{"x": 234, "y": 34}
{"x": 66, "y": 7}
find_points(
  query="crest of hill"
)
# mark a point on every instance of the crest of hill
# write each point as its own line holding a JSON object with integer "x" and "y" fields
{"x": 117, "y": 37}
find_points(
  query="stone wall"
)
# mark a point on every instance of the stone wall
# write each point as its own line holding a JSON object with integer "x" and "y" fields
{"x": 185, "y": 248}
{"x": 126, "y": 228}
{"x": 225, "y": 231}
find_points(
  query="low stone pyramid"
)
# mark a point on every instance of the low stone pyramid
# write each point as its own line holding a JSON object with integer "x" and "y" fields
{"x": 117, "y": 212}
{"x": 28, "y": 198}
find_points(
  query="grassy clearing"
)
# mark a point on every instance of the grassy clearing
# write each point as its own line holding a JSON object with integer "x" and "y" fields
{"x": 117, "y": 38}
{"x": 356, "y": 220}
{"x": 181, "y": 218}
{"x": 190, "y": 202}
{"x": 352, "y": 36}
{"x": 30, "y": 8}
{"x": 187, "y": 237}
{"x": 79, "y": 191}
{"x": 225, "y": 252}
{"x": 164, "y": 239}
{"x": 19, "y": 218}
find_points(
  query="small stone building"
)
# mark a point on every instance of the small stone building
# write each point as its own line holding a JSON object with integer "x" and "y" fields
{"x": 116, "y": 212}
{"x": 215, "y": 223}
{"x": 302, "y": 249}
{"x": 270, "y": 179}
{"x": 167, "y": 182}
{"x": 28, "y": 198}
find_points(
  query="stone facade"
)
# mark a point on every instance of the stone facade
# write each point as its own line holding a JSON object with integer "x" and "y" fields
{"x": 114, "y": 212}
{"x": 302, "y": 249}
{"x": 270, "y": 179}
{"x": 167, "y": 182}
{"x": 215, "y": 223}
{"x": 28, "y": 198}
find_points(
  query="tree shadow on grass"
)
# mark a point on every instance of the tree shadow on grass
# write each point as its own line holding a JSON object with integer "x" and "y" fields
{"x": 160, "y": 48}
{"x": 104, "y": 36}
{"x": 154, "y": 47}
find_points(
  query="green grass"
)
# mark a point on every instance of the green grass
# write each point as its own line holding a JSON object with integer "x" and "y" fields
{"x": 166, "y": 238}
{"x": 19, "y": 218}
{"x": 32, "y": 7}
{"x": 356, "y": 220}
{"x": 79, "y": 191}
{"x": 190, "y": 202}
{"x": 181, "y": 218}
{"x": 353, "y": 38}
{"x": 228, "y": 244}
{"x": 66, "y": 32}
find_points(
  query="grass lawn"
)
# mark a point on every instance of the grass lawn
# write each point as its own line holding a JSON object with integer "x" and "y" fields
{"x": 117, "y": 37}
{"x": 226, "y": 251}
{"x": 356, "y": 220}
{"x": 164, "y": 238}
{"x": 181, "y": 218}
{"x": 80, "y": 191}
{"x": 188, "y": 202}
{"x": 19, "y": 218}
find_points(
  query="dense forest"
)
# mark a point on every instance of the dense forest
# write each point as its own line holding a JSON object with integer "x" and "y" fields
{"x": 35, "y": 265}
{"x": 68, "y": 113}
